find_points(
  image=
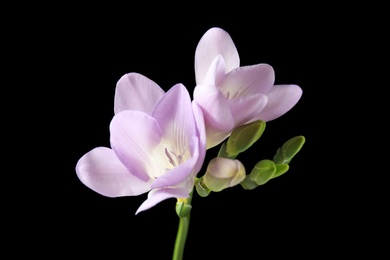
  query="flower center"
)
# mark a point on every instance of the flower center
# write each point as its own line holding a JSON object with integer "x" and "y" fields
{"x": 230, "y": 94}
{"x": 166, "y": 158}
{"x": 173, "y": 158}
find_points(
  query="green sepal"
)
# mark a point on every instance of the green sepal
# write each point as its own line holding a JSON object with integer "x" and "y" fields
{"x": 248, "y": 184}
{"x": 201, "y": 189}
{"x": 244, "y": 137}
{"x": 183, "y": 209}
{"x": 263, "y": 171}
{"x": 289, "y": 149}
{"x": 280, "y": 169}
{"x": 223, "y": 152}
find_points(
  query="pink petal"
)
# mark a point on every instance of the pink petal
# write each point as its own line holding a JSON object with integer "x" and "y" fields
{"x": 134, "y": 135}
{"x": 216, "y": 72}
{"x": 156, "y": 196}
{"x": 201, "y": 133}
{"x": 217, "y": 115}
{"x": 246, "y": 108}
{"x": 248, "y": 80}
{"x": 214, "y": 42}
{"x": 136, "y": 92}
{"x": 215, "y": 107}
{"x": 281, "y": 99}
{"x": 175, "y": 117}
{"x": 101, "y": 171}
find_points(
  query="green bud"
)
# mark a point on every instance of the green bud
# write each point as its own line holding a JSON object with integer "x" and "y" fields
{"x": 182, "y": 208}
{"x": 263, "y": 172}
{"x": 244, "y": 137}
{"x": 280, "y": 169}
{"x": 248, "y": 184}
{"x": 223, "y": 173}
{"x": 289, "y": 150}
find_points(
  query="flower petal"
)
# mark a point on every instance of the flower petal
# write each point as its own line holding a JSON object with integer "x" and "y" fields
{"x": 281, "y": 99}
{"x": 136, "y": 92}
{"x": 201, "y": 133}
{"x": 134, "y": 135}
{"x": 156, "y": 196}
{"x": 101, "y": 171}
{"x": 216, "y": 71}
{"x": 246, "y": 108}
{"x": 217, "y": 115}
{"x": 215, "y": 137}
{"x": 175, "y": 117}
{"x": 248, "y": 80}
{"x": 214, "y": 42}
{"x": 215, "y": 107}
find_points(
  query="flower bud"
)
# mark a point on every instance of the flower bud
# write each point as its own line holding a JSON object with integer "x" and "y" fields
{"x": 223, "y": 173}
{"x": 289, "y": 150}
{"x": 244, "y": 137}
{"x": 263, "y": 171}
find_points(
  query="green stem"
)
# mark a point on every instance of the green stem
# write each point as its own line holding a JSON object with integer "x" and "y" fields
{"x": 181, "y": 237}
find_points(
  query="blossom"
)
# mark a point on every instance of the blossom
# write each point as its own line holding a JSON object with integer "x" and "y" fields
{"x": 157, "y": 144}
{"x": 230, "y": 95}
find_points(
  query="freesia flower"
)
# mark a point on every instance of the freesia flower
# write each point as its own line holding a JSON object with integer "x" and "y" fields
{"x": 230, "y": 95}
{"x": 157, "y": 144}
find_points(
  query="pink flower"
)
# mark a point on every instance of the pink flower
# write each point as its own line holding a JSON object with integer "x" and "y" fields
{"x": 230, "y": 95}
{"x": 157, "y": 144}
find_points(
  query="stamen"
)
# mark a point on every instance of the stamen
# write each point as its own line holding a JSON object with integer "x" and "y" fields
{"x": 169, "y": 157}
{"x": 179, "y": 159}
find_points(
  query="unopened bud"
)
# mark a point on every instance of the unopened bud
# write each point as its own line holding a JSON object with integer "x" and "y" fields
{"x": 223, "y": 173}
{"x": 289, "y": 149}
{"x": 244, "y": 137}
{"x": 263, "y": 171}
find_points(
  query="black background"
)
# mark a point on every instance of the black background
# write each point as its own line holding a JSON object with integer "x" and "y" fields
{"x": 77, "y": 58}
